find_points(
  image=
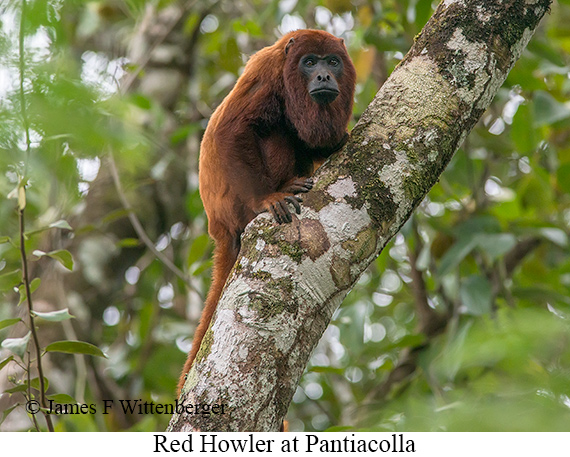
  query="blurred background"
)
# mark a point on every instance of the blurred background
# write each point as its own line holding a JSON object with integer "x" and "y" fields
{"x": 462, "y": 323}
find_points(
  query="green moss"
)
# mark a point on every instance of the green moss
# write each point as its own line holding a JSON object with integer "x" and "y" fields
{"x": 206, "y": 346}
{"x": 292, "y": 250}
{"x": 260, "y": 274}
{"x": 276, "y": 299}
{"x": 416, "y": 186}
{"x": 371, "y": 187}
{"x": 505, "y": 26}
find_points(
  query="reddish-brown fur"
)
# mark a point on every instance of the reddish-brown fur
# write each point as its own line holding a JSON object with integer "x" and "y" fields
{"x": 263, "y": 137}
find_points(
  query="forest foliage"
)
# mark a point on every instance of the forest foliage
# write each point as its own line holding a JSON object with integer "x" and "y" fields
{"x": 101, "y": 117}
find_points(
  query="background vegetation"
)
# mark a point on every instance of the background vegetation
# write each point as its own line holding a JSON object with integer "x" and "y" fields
{"x": 461, "y": 324}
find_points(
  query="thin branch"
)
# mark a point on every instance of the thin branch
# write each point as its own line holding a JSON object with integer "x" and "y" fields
{"x": 26, "y": 278}
{"x": 22, "y": 226}
{"x": 430, "y": 322}
{"x": 141, "y": 233}
{"x": 29, "y": 397}
{"x": 22, "y": 65}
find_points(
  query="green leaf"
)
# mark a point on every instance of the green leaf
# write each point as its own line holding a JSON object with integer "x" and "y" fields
{"x": 35, "y": 284}
{"x": 411, "y": 341}
{"x": 340, "y": 428}
{"x": 4, "y": 239}
{"x": 8, "y": 322}
{"x": 523, "y": 133}
{"x": 18, "y": 388}
{"x": 128, "y": 243}
{"x": 563, "y": 177}
{"x": 61, "y": 255}
{"x": 476, "y": 296}
{"x": 22, "y": 292}
{"x": 386, "y": 366}
{"x": 555, "y": 235}
{"x": 75, "y": 347}
{"x": 453, "y": 257}
{"x": 61, "y": 399}
{"x": 33, "y": 287}
{"x": 6, "y": 412}
{"x": 146, "y": 317}
{"x": 327, "y": 369}
{"x": 477, "y": 225}
{"x": 17, "y": 345}
{"x": 545, "y": 51}
{"x": 204, "y": 266}
{"x": 35, "y": 384}
{"x": 62, "y": 224}
{"x": 54, "y": 316}
{"x": 197, "y": 249}
{"x": 540, "y": 295}
{"x": 184, "y": 132}
{"x": 423, "y": 261}
{"x": 548, "y": 110}
{"x": 141, "y": 101}
{"x": 496, "y": 244}
{"x": 6, "y": 361}
{"x": 10, "y": 280}
{"x": 114, "y": 216}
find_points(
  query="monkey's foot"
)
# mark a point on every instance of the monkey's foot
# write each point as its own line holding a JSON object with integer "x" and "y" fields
{"x": 298, "y": 186}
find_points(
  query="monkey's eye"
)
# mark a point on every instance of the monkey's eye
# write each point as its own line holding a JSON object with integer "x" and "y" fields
{"x": 309, "y": 62}
{"x": 334, "y": 61}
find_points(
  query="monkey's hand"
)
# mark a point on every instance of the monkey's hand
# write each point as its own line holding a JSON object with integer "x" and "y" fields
{"x": 297, "y": 186}
{"x": 277, "y": 204}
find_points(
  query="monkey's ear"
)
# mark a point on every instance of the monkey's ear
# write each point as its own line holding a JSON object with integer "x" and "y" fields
{"x": 291, "y": 41}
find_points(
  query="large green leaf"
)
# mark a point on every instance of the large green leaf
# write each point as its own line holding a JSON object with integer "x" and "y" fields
{"x": 75, "y": 347}
{"x": 9, "y": 322}
{"x": 61, "y": 255}
{"x": 6, "y": 361}
{"x": 548, "y": 110}
{"x": 453, "y": 257}
{"x": 54, "y": 316}
{"x": 496, "y": 245}
{"x": 476, "y": 295}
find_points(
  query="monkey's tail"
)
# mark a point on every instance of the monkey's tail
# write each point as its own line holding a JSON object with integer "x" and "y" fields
{"x": 225, "y": 255}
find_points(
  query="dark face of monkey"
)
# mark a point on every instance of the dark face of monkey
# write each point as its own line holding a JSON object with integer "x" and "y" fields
{"x": 319, "y": 80}
{"x": 322, "y": 74}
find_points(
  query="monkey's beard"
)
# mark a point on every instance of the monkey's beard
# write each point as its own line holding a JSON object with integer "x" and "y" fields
{"x": 319, "y": 126}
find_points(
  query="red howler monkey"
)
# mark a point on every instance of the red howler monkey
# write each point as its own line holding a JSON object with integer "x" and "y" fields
{"x": 290, "y": 107}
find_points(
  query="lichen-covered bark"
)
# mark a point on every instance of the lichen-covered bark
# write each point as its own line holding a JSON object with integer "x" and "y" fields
{"x": 290, "y": 279}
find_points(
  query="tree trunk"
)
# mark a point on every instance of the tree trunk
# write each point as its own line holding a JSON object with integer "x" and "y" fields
{"x": 290, "y": 279}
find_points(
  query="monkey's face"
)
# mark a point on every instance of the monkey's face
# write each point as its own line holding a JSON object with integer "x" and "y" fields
{"x": 321, "y": 74}
{"x": 318, "y": 82}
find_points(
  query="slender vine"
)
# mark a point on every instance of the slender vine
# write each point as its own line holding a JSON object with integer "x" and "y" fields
{"x": 22, "y": 230}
